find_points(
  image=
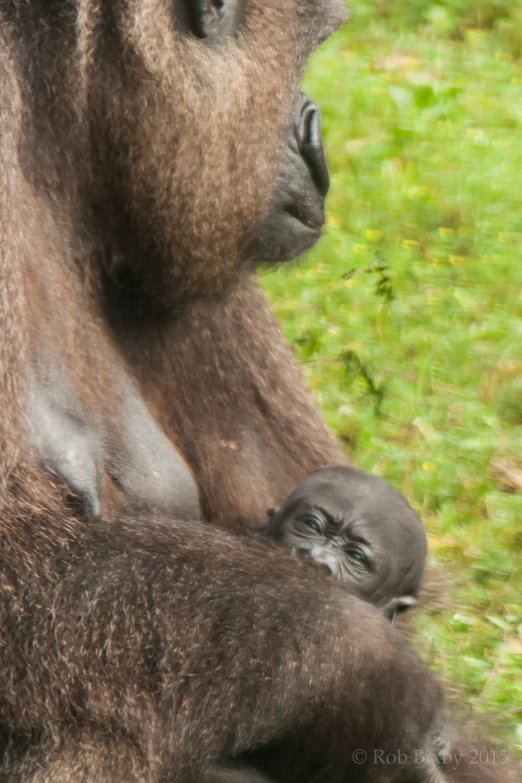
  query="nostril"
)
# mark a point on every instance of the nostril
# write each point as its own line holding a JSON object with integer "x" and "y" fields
{"x": 312, "y": 126}
{"x": 302, "y": 128}
{"x": 307, "y": 133}
{"x": 324, "y": 558}
{"x": 312, "y": 149}
{"x": 327, "y": 568}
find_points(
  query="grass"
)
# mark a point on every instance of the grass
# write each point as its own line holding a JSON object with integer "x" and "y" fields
{"x": 408, "y": 315}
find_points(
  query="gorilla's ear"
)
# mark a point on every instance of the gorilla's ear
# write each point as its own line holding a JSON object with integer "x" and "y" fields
{"x": 397, "y": 606}
{"x": 272, "y": 512}
{"x": 211, "y": 18}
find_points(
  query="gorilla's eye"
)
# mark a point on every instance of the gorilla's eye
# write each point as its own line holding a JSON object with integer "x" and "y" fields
{"x": 211, "y": 18}
{"x": 354, "y": 553}
{"x": 311, "y": 524}
{"x": 213, "y": 13}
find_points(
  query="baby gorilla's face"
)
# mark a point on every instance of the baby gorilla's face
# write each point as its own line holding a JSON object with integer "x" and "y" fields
{"x": 364, "y": 532}
{"x": 330, "y": 537}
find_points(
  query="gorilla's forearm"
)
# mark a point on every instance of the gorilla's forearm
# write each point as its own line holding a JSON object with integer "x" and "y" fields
{"x": 150, "y": 634}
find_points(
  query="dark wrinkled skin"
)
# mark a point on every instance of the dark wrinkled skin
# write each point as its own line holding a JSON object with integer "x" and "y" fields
{"x": 362, "y": 530}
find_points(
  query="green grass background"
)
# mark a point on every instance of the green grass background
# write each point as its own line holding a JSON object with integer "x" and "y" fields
{"x": 408, "y": 315}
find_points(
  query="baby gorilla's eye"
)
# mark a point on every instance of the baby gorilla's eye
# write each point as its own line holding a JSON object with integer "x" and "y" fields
{"x": 311, "y": 524}
{"x": 354, "y": 553}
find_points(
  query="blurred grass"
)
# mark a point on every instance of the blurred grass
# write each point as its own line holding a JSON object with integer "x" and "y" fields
{"x": 408, "y": 315}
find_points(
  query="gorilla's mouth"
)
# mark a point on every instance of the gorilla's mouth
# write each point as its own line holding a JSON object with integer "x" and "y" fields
{"x": 307, "y": 220}
{"x": 301, "y": 231}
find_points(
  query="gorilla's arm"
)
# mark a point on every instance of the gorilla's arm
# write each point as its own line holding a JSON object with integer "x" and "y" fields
{"x": 118, "y": 628}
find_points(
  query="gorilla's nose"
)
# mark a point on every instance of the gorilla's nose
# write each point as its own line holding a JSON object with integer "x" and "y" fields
{"x": 310, "y": 140}
{"x": 326, "y": 558}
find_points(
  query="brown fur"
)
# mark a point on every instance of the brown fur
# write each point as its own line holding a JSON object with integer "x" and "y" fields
{"x": 231, "y": 415}
{"x": 134, "y": 166}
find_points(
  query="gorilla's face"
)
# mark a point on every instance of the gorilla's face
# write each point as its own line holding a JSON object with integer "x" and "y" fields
{"x": 221, "y": 159}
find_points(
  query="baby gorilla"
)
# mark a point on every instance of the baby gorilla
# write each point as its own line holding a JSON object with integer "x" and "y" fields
{"x": 361, "y": 529}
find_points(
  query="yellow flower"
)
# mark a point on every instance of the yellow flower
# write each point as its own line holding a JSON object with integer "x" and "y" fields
{"x": 473, "y": 34}
{"x": 373, "y": 235}
{"x": 417, "y": 191}
{"x": 478, "y": 135}
{"x": 360, "y": 250}
{"x": 410, "y": 244}
{"x": 457, "y": 260}
{"x": 444, "y": 231}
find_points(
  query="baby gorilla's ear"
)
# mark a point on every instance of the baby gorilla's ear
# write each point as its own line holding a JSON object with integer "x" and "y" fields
{"x": 272, "y": 511}
{"x": 397, "y": 606}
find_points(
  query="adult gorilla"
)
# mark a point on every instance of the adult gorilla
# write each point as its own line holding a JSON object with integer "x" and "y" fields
{"x": 143, "y": 166}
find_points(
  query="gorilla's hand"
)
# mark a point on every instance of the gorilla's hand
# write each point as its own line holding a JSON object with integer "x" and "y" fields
{"x": 296, "y": 214}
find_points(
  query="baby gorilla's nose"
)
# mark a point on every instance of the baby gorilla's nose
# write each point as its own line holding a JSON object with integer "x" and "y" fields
{"x": 326, "y": 558}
